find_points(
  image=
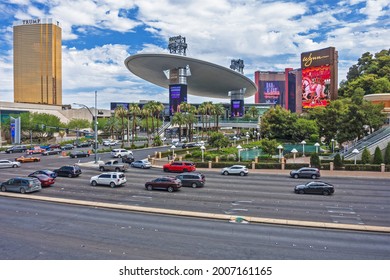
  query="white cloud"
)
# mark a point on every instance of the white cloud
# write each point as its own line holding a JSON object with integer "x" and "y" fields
{"x": 267, "y": 35}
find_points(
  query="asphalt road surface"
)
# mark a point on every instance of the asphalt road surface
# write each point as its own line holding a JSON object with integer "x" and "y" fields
{"x": 356, "y": 200}
{"x": 32, "y": 230}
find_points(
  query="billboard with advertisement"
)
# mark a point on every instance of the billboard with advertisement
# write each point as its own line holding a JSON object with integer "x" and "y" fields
{"x": 319, "y": 77}
{"x": 237, "y": 107}
{"x": 271, "y": 92}
{"x": 177, "y": 95}
{"x": 114, "y": 105}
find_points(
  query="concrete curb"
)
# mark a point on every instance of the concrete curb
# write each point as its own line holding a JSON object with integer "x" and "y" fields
{"x": 204, "y": 215}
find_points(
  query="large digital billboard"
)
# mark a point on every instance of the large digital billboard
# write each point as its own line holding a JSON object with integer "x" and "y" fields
{"x": 319, "y": 77}
{"x": 315, "y": 86}
{"x": 177, "y": 95}
{"x": 114, "y": 105}
{"x": 237, "y": 107}
{"x": 271, "y": 92}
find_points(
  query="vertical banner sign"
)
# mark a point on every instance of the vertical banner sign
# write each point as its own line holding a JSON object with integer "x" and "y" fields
{"x": 237, "y": 107}
{"x": 177, "y": 95}
{"x": 15, "y": 130}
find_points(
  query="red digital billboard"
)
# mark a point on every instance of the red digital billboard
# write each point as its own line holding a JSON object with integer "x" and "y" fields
{"x": 319, "y": 77}
{"x": 315, "y": 86}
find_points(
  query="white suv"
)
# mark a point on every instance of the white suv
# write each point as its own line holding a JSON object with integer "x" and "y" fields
{"x": 111, "y": 179}
{"x": 118, "y": 153}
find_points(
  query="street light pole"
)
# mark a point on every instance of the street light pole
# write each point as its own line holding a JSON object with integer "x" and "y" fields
{"x": 96, "y": 131}
{"x": 202, "y": 148}
{"x": 332, "y": 145}
{"x": 316, "y": 145}
{"x": 303, "y": 147}
{"x": 94, "y": 117}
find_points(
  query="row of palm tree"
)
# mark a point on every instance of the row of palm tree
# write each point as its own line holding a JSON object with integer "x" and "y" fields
{"x": 150, "y": 117}
{"x": 150, "y": 112}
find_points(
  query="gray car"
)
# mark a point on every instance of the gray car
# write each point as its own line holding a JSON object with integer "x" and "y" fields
{"x": 141, "y": 164}
{"x": 21, "y": 185}
{"x": 9, "y": 163}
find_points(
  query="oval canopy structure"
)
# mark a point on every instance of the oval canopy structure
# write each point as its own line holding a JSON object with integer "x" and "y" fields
{"x": 206, "y": 80}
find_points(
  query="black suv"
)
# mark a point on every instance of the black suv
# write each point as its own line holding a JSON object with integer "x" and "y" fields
{"x": 306, "y": 172}
{"x": 16, "y": 149}
{"x": 68, "y": 171}
{"x": 192, "y": 179}
{"x": 128, "y": 159}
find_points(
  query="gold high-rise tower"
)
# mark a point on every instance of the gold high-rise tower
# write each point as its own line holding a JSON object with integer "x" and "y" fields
{"x": 38, "y": 62}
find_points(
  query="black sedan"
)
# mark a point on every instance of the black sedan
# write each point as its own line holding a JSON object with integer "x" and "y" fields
{"x": 79, "y": 154}
{"x": 52, "y": 152}
{"x": 315, "y": 187}
{"x": 67, "y": 147}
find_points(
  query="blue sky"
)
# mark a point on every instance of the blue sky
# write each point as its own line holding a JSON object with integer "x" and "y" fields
{"x": 98, "y": 35}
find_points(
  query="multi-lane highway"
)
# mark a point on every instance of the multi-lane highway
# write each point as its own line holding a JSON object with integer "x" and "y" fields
{"x": 41, "y": 230}
{"x": 73, "y": 232}
{"x": 356, "y": 200}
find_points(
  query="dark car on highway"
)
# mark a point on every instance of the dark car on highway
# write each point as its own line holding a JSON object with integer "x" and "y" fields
{"x": 68, "y": 171}
{"x": 192, "y": 179}
{"x": 79, "y": 154}
{"x": 16, "y": 149}
{"x": 45, "y": 172}
{"x": 128, "y": 159}
{"x": 46, "y": 181}
{"x": 52, "y": 151}
{"x": 21, "y": 184}
{"x": 315, "y": 187}
{"x": 84, "y": 144}
{"x": 164, "y": 183}
{"x": 67, "y": 147}
{"x": 306, "y": 172}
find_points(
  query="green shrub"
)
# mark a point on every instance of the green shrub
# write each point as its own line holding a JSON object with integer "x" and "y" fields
{"x": 378, "y": 158}
{"x": 366, "y": 156}
{"x": 315, "y": 160}
{"x": 338, "y": 163}
{"x": 387, "y": 154}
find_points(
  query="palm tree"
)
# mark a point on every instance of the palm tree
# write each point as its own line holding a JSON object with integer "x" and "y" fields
{"x": 145, "y": 112}
{"x": 179, "y": 119}
{"x": 219, "y": 110}
{"x": 202, "y": 111}
{"x": 159, "y": 107}
{"x": 111, "y": 126}
{"x": 208, "y": 111}
{"x": 134, "y": 111}
{"x": 121, "y": 113}
{"x": 253, "y": 112}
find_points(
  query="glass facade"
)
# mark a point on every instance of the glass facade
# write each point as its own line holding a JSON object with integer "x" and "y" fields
{"x": 38, "y": 62}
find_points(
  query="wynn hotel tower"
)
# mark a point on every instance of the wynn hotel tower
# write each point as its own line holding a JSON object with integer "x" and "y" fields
{"x": 38, "y": 62}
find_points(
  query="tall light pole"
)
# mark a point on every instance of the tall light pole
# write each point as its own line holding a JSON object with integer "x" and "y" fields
{"x": 94, "y": 117}
{"x": 202, "y": 148}
{"x": 332, "y": 145}
{"x": 239, "y": 152}
{"x": 173, "y": 147}
{"x": 280, "y": 147}
{"x": 316, "y": 145}
{"x": 303, "y": 147}
{"x": 355, "y": 152}
{"x": 294, "y": 151}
